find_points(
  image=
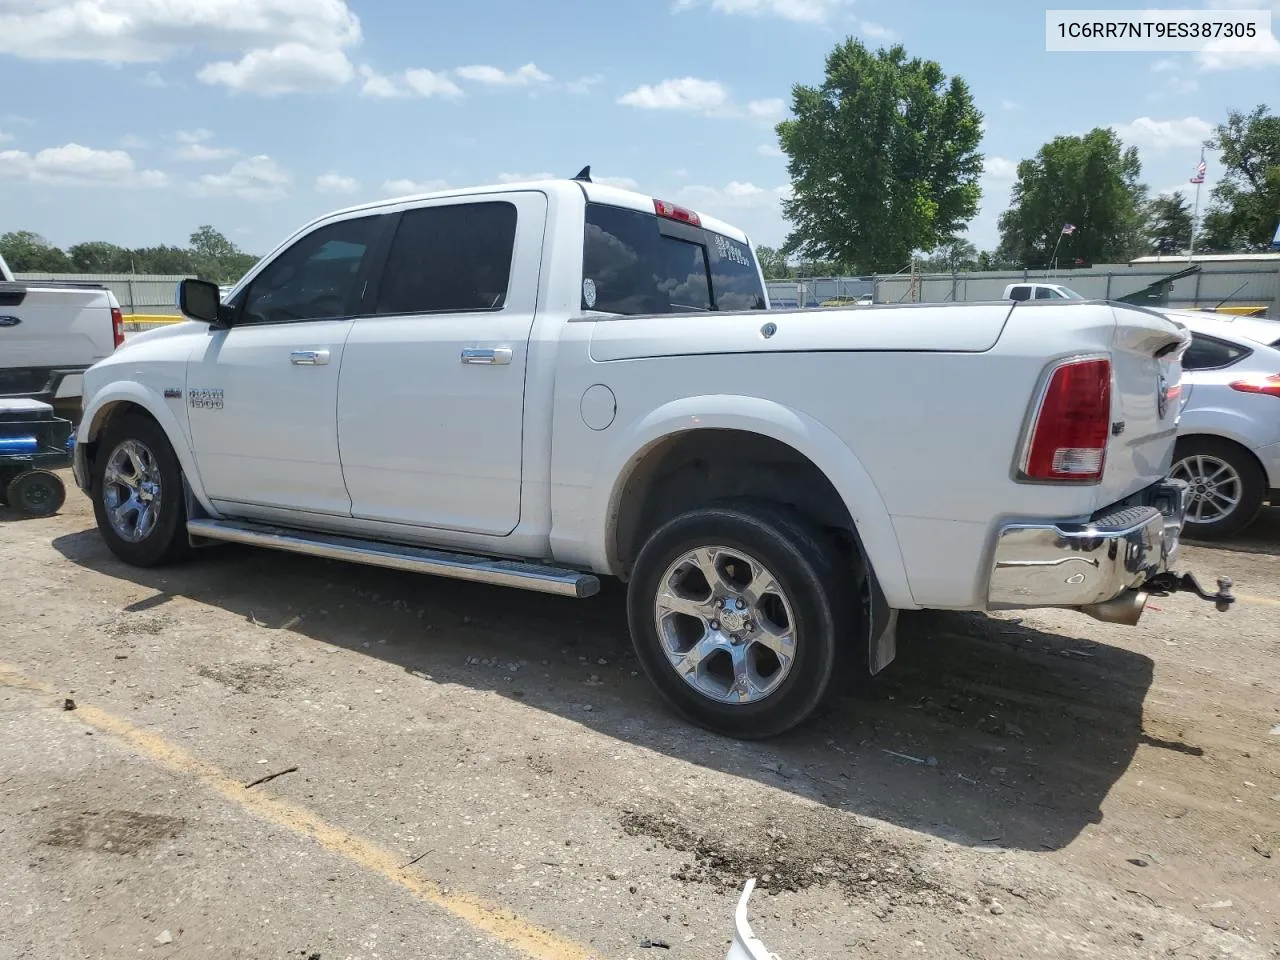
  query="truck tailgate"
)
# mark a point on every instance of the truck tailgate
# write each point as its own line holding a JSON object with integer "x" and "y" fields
{"x": 1146, "y": 355}
{"x": 54, "y": 326}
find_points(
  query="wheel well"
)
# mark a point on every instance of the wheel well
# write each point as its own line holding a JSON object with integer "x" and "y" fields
{"x": 693, "y": 468}
{"x": 1237, "y": 445}
{"x": 109, "y": 412}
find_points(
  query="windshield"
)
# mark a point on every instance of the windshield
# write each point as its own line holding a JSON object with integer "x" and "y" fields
{"x": 630, "y": 265}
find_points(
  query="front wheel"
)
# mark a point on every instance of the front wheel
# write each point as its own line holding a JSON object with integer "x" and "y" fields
{"x": 137, "y": 493}
{"x": 1227, "y": 486}
{"x": 743, "y": 616}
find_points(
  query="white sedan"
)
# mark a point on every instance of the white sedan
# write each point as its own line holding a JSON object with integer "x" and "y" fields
{"x": 1229, "y": 438}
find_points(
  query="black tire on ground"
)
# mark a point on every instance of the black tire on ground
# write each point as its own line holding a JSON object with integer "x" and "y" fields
{"x": 166, "y": 541}
{"x": 1253, "y": 485}
{"x": 37, "y": 493}
{"x": 818, "y": 583}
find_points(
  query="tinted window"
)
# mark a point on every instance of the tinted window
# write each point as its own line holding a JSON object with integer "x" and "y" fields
{"x": 1044, "y": 293}
{"x": 1020, "y": 293}
{"x": 450, "y": 259}
{"x": 318, "y": 278}
{"x": 630, "y": 267}
{"x": 1206, "y": 353}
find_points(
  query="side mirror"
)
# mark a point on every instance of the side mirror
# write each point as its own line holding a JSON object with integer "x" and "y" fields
{"x": 200, "y": 300}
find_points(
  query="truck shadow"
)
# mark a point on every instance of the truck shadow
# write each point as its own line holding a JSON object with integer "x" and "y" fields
{"x": 984, "y": 731}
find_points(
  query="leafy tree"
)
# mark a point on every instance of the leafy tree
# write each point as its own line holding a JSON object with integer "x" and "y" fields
{"x": 1245, "y": 204}
{"x": 1168, "y": 226}
{"x": 1091, "y": 182}
{"x": 952, "y": 256}
{"x": 216, "y": 258}
{"x": 98, "y": 256}
{"x": 773, "y": 263}
{"x": 995, "y": 260}
{"x": 28, "y": 252}
{"x": 163, "y": 260}
{"x": 883, "y": 158}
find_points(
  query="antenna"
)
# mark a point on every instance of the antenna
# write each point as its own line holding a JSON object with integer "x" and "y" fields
{"x": 584, "y": 174}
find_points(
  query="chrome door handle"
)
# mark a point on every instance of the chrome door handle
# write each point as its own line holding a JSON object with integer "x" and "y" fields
{"x": 491, "y": 355}
{"x": 309, "y": 358}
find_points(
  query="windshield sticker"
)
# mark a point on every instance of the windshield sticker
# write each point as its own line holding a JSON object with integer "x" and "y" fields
{"x": 729, "y": 250}
{"x": 589, "y": 292}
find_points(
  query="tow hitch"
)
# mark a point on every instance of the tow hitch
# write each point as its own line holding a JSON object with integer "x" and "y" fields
{"x": 1163, "y": 584}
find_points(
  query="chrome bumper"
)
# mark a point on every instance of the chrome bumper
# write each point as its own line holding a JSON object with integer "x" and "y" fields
{"x": 1080, "y": 564}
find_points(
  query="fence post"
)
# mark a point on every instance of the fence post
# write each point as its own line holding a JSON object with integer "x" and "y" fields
{"x": 1108, "y": 294}
{"x": 133, "y": 300}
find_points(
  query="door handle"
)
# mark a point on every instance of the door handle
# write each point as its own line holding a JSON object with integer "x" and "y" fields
{"x": 492, "y": 355}
{"x": 309, "y": 358}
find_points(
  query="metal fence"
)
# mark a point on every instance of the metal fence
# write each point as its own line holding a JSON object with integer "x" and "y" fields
{"x": 138, "y": 293}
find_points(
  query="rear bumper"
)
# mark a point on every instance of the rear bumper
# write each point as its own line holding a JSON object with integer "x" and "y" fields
{"x": 1083, "y": 563}
{"x": 47, "y": 384}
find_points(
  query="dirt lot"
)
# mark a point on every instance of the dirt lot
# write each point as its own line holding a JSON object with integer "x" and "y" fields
{"x": 480, "y": 773}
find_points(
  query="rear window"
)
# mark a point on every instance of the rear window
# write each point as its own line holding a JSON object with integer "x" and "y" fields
{"x": 633, "y": 263}
{"x": 1208, "y": 353}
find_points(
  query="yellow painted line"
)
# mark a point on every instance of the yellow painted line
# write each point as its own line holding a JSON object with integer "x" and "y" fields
{"x": 519, "y": 934}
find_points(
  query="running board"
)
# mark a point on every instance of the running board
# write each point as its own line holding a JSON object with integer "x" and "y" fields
{"x": 459, "y": 566}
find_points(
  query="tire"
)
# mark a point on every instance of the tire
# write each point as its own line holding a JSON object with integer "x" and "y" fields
{"x": 1218, "y": 470}
{"x": 37, "y": 493}
{"x": 150, "y": 476}
{"x": 813, "y": 598}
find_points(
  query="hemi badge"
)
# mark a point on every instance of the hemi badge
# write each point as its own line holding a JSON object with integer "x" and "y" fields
{"x": 172, "y": 393}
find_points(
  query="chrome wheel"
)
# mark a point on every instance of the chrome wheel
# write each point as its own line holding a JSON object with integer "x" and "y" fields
{"x": 725, "y": 625}
{"x": 131, "y": 490}
{"x": 1216, "y": 487}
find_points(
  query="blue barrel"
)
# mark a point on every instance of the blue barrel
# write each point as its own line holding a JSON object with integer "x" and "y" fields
{"x": 18, "y": 446}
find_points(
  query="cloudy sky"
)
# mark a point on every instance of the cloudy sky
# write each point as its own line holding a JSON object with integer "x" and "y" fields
{"x": 136, "y": 121}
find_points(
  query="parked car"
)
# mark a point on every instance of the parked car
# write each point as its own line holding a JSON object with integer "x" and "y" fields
{"x": 1040, "y": 291}
{"x": 50, "y": 333}
{"x": 537, "y": 385}
{"x": 1228, "y": 446}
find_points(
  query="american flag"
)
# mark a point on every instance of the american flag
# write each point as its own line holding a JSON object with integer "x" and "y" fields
{"x": 1200, "y": 171}
{"x": 1068, "y": 228}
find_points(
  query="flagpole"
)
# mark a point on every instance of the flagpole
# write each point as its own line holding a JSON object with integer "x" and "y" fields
{"x": 1053, "y": 260}
{"x": 1195, "y": 210}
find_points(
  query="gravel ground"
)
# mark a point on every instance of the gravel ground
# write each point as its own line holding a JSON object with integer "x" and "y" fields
{"x": 481, "y": 773}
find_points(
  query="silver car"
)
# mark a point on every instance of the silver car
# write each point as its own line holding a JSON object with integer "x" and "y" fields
{"x": 1229, "y": 437}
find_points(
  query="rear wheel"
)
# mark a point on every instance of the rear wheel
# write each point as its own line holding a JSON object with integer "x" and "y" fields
{"x": 137, "y": 493}
{"x": 743, "y": 617}
{"x": 37, "y": 493}
{"x": 1227, "y": 486}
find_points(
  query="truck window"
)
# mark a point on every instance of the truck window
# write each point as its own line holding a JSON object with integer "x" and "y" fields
{"x": 315, "y": 279}
{"x": 630, "y": 267}
{"x": 1020, "y": 293}
{"x": 1044, "y": 293}
{"x": 449, "y": 259}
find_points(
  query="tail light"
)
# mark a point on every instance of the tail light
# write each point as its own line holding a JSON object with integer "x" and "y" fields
{"x": 117, "y": 326}
{"x": 672, "y": 212}
{"x": 1068, "y": 439}
{"x": 1258, "y": 384}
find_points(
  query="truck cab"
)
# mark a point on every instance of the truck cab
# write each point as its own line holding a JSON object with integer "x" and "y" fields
{"x": 1040, "y": 291}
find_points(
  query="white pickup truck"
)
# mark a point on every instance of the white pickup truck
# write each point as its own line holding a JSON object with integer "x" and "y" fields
{"x": 540, "y": 384}
{"x": 50, "y": 333}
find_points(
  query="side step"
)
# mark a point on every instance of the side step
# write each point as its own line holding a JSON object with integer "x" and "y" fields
{"x": 459, "y": 566}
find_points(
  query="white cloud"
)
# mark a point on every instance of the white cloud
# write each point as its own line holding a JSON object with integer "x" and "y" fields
{"x": 524, "y": 76}
{"x": 193, "y": 136}
{"x": 200, "y": 153}
{"x": 336, "y": 183}
{"x": 1259, "y": 53}
{"x": 154, "y": 80}
{"x": 583, "y": 84}
{"x": 522, "y": 177}
{"x": 622, "y": 183}
{"x": 426, "y": 83}
{"x": 405, "y": 186}
{"x": 685, "y": 93}
{"x": 769, "y": 150}
{"x": 139, "y": 31}
{"x": 772, "y": 109}
{"x": 287, "y": 68}
{"x": 77, "y": 165}
{"x": 1164, "y": 134}
{"x": 999, "y": 169}
{"x": 6, "y": 137}
{"x": 875, "y": 31}
{"x": 417, "y": 82}
{"x": 256, "y": 178}
{"x": 1009, "y": 105}
{"x": 132, "y": 142}
{"x": 800, "y": 11}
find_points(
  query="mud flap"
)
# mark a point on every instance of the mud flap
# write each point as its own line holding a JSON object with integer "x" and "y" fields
{"x": 882, "y": 621}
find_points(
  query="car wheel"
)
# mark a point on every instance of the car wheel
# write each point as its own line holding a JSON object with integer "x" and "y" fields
{"x": 37, "y": 493}
{"x": 743, "y": 616}
{"x": 1227, "y": 486}
{"x": 137, "y": 493}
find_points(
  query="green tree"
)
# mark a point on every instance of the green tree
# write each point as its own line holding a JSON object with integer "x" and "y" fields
{"x": 98, "y": 256}
{"x": 164, "y": 260}
{"x": 952, "y": 256}
{"x": 773, "y": 263}
{"x": 1245, "y": 204}
{"x": 28, "y": 252}
{"x": 1091, "y": 182}
{"x": 214, "y": 257}
{"x": 1168, "y": 225}
{"x": 995, "y": 260}
{"x": 883, "y": 159}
